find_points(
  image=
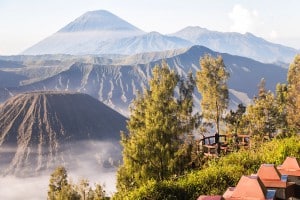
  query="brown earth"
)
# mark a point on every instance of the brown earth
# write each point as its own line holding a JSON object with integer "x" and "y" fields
{"x": 37, "y": 129}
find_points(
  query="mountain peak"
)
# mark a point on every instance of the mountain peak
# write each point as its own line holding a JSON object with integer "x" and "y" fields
{"x": 193, "y": 30}
{"x": 38, "y": 127}
{"x": 98, "y": 20}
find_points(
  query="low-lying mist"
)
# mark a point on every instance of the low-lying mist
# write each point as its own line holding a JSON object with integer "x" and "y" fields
{"x": 95, "y": 161}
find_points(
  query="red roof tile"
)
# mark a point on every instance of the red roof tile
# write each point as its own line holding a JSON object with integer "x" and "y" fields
{"x": 203, "y": 197}
{"x": 270, "y": 176}
{"x": 249, "y": 187}
{"x": 290, "y": 167}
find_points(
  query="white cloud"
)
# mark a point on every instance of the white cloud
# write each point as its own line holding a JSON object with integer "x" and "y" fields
{"x": 244, "y": 20}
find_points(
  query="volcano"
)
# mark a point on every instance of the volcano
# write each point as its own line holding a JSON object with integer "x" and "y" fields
{"x": 41, "y": 130}
{"x": 85, "y": 35}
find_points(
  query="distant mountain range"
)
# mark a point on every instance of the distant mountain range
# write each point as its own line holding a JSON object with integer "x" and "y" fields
{"x": 247, "y": 45}
{"x": 101, "y": 32}
{"x": 41, "y": 130}
{"x": 115, "y": 81}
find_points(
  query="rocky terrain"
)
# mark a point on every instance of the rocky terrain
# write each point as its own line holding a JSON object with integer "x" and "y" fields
{"x": 115, "y": 80}
{"x": 41, "y": 130}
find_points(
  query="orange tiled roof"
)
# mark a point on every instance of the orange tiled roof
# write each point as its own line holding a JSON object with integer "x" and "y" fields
{"x": 290, "y": 167}
{"x": 270, "y": 176}
{"x": 203, "y": 197}
{"x": 249, "y": 187}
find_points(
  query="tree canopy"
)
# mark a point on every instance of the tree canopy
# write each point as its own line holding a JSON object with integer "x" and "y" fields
{"x": 153, "y": 148}
{"x": 211, "y": 81}
{"x": 293, "y": 99}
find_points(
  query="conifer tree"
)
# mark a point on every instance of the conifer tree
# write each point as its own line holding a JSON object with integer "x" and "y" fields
{"x": 187, "y": 156}
{"x": 185, "y": 102}
{"x": 281, "y": 103}
{"x": 59, "y": 188}
{"x": 151, "y": 148}
{"x": 234, "y": 118}
{"x": 293, "y": 95}
{"x": 263, "y": 115}
{"x": 211, "y": 81}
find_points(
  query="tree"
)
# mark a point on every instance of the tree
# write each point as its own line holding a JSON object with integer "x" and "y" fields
{"x": 211, "y": 81}
{"x": 98, "y": 193}
{"x": 262, "y": 116}
{"x": 59, "y": 188}
{"x": 281, "y": 102}
{"x": 188, "y": 156}
{"x": 185, "y": 102}
{"x": 293, "y": 95}
{"x": 151, "y": 148}
{"x": 84, "y": 189}
{"x": 234, "y": 118}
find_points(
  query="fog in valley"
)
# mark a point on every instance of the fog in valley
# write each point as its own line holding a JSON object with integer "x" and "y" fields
{"x": 95, "y": 161}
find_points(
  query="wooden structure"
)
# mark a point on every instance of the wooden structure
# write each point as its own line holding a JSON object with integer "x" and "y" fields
{"x": 211, "y": 148}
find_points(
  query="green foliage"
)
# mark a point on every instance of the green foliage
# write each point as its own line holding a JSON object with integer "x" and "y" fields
{"x": 212, "y": 84}
{"x": 61, "y": 189}
{"x": 266, "y": 116}
{"x": 219, "y": 174}
{"x": 185, "y": 103}
{"x": 154, "y": 148}
{"x": 293, "y": 95}
{"x": 233, "y": 119}
{"x": 281, "y": 103}
{"x": 187, "y": 154}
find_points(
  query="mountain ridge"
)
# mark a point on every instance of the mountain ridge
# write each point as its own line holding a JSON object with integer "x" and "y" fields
{"x": 116, "y": 83}
{"x": 247, "y": 45}
{"x": 101, "y": 32}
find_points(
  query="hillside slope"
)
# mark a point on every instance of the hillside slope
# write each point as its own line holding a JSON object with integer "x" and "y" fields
{"x": 43, "y": 129}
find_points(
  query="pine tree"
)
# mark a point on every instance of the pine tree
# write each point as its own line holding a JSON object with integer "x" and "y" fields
{"x": 187, "y": 155}
{"x": 281, "y": 102}
{"x": 59, "y": 188}
{"x": 211, "y": 81}
{"x": 185, "y": 102}
{"x": 293, "y": 95}
{"x": 262, "y": 116}
{"x": 151, "y": 148}
{"x": 234, "y": 118}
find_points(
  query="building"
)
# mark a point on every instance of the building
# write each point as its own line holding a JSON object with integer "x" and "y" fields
{"x": 249, "y": 187}
{"x": 273, "y": 180}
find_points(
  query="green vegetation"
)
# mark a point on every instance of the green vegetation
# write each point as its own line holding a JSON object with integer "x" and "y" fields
{"x": 61, "y": 189}
{"x": 212, "y": 84}
{"x": 293, "y": 95}
{"x": 154, "y": 149}
{"x": 218, "y": 174}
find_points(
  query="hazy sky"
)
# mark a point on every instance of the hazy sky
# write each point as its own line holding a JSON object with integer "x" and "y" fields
{"x": 26, "y": 22}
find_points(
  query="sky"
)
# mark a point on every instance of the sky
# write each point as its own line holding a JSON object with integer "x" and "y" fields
{"x": 24, "y": 23}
